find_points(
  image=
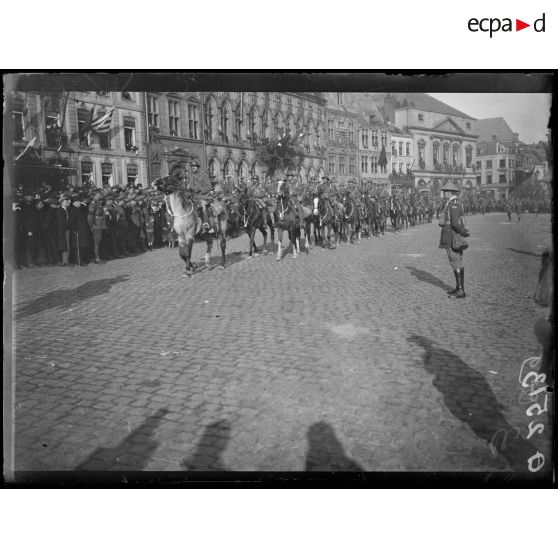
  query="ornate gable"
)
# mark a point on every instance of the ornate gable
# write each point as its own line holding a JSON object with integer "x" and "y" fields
{"x": 448, "y": 125}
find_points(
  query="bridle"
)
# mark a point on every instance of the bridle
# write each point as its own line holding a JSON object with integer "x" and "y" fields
{"x": 178, "y": 216}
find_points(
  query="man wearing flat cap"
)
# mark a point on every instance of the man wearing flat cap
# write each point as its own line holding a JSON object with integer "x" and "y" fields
{"x": 451, "y": 221}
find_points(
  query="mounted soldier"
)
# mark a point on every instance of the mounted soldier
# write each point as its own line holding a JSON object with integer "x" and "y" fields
{"x": 200, "y": 185}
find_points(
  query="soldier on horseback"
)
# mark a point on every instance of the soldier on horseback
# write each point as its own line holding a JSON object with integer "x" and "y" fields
{"x": 260, "y": 197}
{"x": 295, "y": 193}
{"x": 200, "y": 186}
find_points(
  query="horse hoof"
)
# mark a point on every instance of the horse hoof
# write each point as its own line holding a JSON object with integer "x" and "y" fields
{"x": 250, "y": 257}
{"x": 187, "y": 275}
{"x": 221, "y": 266}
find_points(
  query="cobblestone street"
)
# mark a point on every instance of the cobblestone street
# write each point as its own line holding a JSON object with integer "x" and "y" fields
{"x": 344, "y": 359}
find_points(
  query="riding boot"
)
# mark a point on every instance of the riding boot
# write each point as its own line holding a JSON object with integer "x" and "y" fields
{"x": 457, "y": 277}
{"x": 460, "y": 293}
{"x": 462, "y": 283}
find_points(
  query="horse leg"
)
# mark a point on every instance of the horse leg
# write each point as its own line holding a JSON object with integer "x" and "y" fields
{"x": 279, "y": 244}
{"x": 264, "y": 234}
{"x": 208, "y": 251}
{"x": 223, "y": 240}
{"x": 296, "y": 241}
{"x": 185, "y": 250}
{"x": 251, "y": 233}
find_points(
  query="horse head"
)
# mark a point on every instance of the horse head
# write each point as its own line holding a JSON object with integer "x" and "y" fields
{"x": 165, "y": 184}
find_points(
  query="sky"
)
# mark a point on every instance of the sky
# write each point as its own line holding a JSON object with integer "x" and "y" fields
{"x": 526, "y": 113}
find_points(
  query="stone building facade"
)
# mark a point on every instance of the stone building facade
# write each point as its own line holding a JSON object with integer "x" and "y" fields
{"x": 151, "y": 133}
{"x": 342, "y": 140}
{"x": 373, "y": 134}
{"x": 58, "y": 122}
{"x": 220, "y": 131}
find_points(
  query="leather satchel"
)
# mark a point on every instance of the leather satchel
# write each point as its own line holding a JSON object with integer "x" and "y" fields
{"x": 458, "y": 243}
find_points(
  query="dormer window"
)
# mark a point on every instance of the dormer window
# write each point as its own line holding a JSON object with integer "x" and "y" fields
{"x": 468, "y": 125}
{"x": 421, "y": 117}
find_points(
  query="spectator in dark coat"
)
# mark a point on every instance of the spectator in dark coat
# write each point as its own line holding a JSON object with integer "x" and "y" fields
{"x": 79, "y": 231}
{"x": 46, "y": 249}
{"x": 51, "y": 206}
{"x": 62, "y": 231}
{"x": 29, "y": 228}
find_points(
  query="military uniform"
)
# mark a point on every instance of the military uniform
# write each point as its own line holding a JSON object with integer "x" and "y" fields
{"x": 200, "y": 185}
{"x": 97, "y": 220}
{"x": 452, "y": 223}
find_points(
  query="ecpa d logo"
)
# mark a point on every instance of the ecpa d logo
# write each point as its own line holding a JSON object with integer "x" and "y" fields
{"x": 494, "y": 24}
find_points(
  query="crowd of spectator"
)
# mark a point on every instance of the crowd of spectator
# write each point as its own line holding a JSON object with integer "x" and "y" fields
{"x": 90, "y": 225}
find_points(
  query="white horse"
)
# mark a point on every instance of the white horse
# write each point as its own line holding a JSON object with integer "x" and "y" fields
{"x": 187, "y": 224}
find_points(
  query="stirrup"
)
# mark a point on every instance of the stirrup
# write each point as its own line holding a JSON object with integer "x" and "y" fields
{"x": 205, "y": 226}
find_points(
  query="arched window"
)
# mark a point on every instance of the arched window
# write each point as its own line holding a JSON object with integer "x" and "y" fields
{"x": 468, "y": 156}
{"x": 253, "y": 123}
{"x": 290, "y": 124}
{"x": 226, "y": 123}
{"x": 310, "y": 139}
{"x": 243, "y": 171}
{"x": 229, "y": 170}
{"x": 446, "y": 150}
{"x": 210, "y": 118}
{"x": 279, "y": 124}
{"x": 319, "y": 134}
{"x": 214, "y": 170}
{"x": 256, "y": 171}
{"x": 436, "y": 153}
{"x": 264, "y": 124}
{"x": 455, "y": 154}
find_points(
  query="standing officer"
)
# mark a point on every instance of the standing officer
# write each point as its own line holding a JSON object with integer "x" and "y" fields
{"x": 451, "y": 224}
{"x": 97, "y": 222}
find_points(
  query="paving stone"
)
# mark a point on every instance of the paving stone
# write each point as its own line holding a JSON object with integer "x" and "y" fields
{"x": 333, "y": 359}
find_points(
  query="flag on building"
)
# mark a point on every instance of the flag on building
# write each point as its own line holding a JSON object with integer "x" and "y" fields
{"x": 101, "y": 124}
{"x": 30, "y": 144}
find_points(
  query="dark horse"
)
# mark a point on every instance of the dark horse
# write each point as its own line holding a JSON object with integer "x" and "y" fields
{"x": 351, "y": 218}
{"x": 287, "y": 219}
{"x": 188, "y": 224}
{"x": 252, "y": 218}
{"x": 324, "y": 219}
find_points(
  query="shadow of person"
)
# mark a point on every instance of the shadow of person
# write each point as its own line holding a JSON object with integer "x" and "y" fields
{"x": 65, "y": 298}
{"x": 426, "y": 277}
{"x": 468, "y": 396}
{"x": 325, "y": 452}
{"x": 132, "y": 454}
{"x": 524, "y": 252}
{"x": 211, "y": 446}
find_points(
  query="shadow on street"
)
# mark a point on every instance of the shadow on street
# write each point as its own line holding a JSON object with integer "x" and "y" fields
{"x": 211, "y": 446}
{"x": 65, "y": 298}
{"x": 524, "y": 252}
{"x": 426, "y": 277}
{"x": 325, "y": 452}
{"x": 132, "y": 454}
{"x": 468, "y": 396}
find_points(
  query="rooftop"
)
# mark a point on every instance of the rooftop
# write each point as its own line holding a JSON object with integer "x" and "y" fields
{"x": 488, "y": 127}
{"x": 421, "y": 101}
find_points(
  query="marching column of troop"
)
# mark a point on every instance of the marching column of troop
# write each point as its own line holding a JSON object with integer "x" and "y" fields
{"x": 90, "y": 225}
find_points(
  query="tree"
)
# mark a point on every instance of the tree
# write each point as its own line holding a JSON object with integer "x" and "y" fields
{"x": 280, "y": 154}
